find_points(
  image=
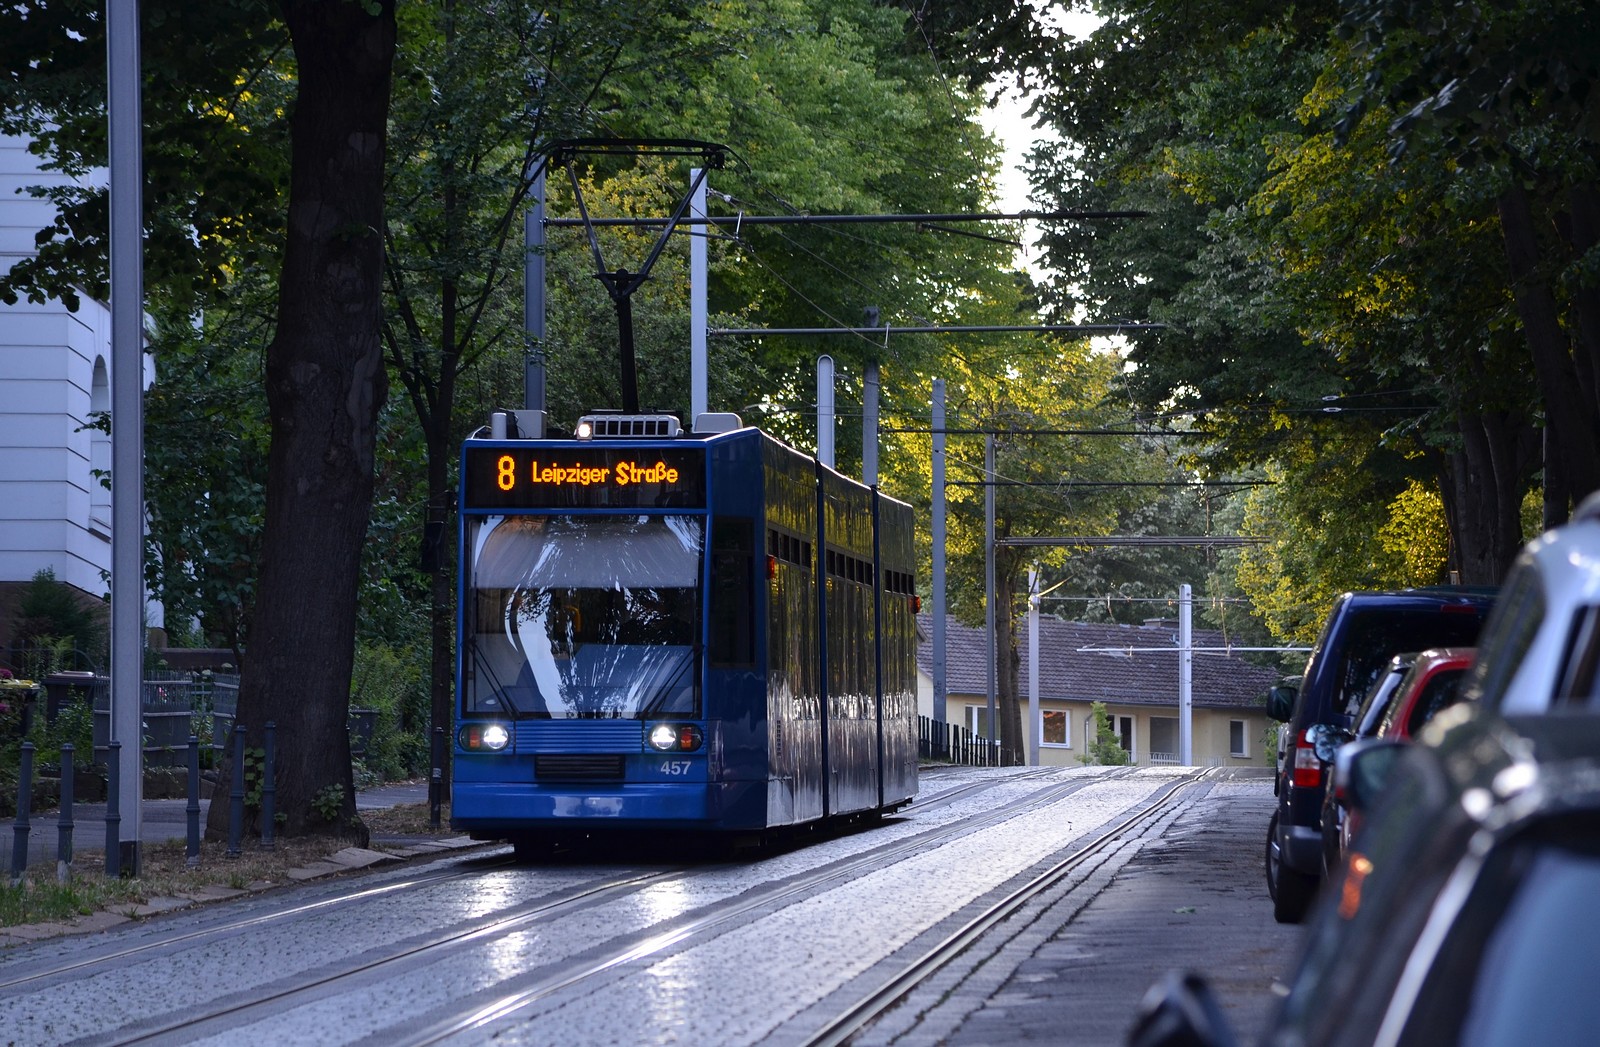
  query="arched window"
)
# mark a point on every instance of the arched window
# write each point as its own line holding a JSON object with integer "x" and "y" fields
{"x": 100, "y": 452}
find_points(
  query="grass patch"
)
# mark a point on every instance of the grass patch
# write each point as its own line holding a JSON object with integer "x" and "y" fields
{"x": 38, "y": 902}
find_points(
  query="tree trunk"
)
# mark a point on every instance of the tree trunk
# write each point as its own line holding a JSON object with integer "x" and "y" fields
{"x": 1008, "y": 702}
{"x": 1583, "y": 236}
{"x": 325, "y": 386}
{"x": 1483, "y": 482}
{"x": 1572, "y": 418}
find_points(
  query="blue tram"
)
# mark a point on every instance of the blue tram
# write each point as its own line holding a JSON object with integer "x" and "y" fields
{"x": 682, "y": 631}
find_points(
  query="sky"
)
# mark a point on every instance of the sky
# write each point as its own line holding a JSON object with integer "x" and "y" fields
{"x": 1005, "y": 121}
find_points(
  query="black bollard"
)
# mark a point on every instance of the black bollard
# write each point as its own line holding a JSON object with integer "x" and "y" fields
{"x": 192, "y": 855}
{"x": 64, "y": 823}
{"x": 114, "y": 810}
{"x": 436, "y": 782}
{"x": 269, "y": 788}
{"x": 21, "y": 828}
{"x": 236, "y": 809}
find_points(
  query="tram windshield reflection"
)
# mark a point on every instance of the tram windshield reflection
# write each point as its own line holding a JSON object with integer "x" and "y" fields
{"x": 584, "y": 616}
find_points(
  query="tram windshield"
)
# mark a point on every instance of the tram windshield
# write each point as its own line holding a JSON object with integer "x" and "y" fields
{"x": 582, "y": 616}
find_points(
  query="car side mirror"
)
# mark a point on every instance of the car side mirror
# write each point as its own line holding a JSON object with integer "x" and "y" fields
{"x": 1280, "y": 702}
{"x": 1180, "y": 1011}
{"x": 1362, "y": 771}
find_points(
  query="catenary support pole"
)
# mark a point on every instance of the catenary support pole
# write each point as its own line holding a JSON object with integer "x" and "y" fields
{"x": 825, "y": 411}
{"x": 989, "y": 616}
{"x": 1185, "y": 675}
{"x": 936, "y": 583}
{"x": 869, "y": 427}
{"x": 1035, "y": 710}
{"x": 533, "y": 298}
{"x": 127, "y": 414}
{"x": 698, "y": 275}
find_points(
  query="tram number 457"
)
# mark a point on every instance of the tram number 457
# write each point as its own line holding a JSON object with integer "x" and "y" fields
{"x": 675, "y": 768}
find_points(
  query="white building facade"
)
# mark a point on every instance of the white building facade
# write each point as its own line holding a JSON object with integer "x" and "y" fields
{"x": 55, "y": 377}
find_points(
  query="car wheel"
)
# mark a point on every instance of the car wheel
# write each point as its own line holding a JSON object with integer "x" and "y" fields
{"x": 1272, "y": 857}
{"x": 1292, "y": 891}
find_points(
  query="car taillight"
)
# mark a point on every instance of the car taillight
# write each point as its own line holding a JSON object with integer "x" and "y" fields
{"x": 1307, "y": 768}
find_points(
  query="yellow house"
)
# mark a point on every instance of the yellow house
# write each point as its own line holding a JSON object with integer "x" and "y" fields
{"x": 1133, "y": 670}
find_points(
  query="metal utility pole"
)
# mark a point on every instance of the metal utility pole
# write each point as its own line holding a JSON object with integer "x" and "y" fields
{"x": 1036, "y": 710}
{"x": 127, "y": 421}
{"x": 1185, "y": 675}
{"x": 825, "y": 410}
{"x": 869, "y": 427}
{"x": 533, "y": 378}
{"x": 698, "y": 276}
{"x": 989, "y": 584}
{"x": 939, "y": 552}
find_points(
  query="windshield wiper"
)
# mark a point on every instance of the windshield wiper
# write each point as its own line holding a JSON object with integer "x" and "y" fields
{"x": 691, "y": 658}
{"x": 482, "y": 666}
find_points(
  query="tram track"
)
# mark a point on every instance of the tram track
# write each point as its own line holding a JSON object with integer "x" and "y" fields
{"x": 481, "y": 863}
{"x": 891, "y": 991}
{"x": 684, "y": 932}
{"x": 624, "y": 952}
{"x": 232, "y": 926}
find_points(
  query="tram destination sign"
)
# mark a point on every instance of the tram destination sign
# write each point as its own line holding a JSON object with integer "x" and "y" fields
{"x": 541, "y": 477}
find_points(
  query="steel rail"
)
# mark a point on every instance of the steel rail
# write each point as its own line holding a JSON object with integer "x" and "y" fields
{"x": 640, "y": 945}
{"x": 839, "y": 1030}
{"x": 232, "y": 926}
{"x": 723, "y": 915}
{"x": 543, "y": 910}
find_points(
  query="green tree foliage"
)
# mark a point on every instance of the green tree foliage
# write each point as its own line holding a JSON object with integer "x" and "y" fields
{"x": 1104, "y": 748}
{"x": 1320, "y": 297}
{"x": 213, "y": 154}
{"x": 1038, "y": 397}
{"x": 65, "y": 628}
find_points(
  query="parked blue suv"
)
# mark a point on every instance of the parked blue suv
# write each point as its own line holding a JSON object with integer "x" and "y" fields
{"x": 1363, "y": 631}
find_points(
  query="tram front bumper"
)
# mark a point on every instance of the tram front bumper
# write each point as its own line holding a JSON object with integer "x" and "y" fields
{"x": 489, "y": 808}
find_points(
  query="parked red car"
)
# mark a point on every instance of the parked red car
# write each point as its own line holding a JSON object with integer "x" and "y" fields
{"x": 1431, "y": 682}
{"x": 1434, "y": 683}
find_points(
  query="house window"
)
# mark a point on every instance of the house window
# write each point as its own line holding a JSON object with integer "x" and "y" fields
{"x": 1055, "y": 728}
{"x": 1123, "y": 725}
{"x": 1164, "y": 739}
{"x": 1121, "y": 729}
{"x": 978, "y": 720}
{"x": 1238, "y": 739}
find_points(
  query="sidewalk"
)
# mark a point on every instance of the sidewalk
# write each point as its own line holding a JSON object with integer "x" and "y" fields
{"x": 162, "y": 820}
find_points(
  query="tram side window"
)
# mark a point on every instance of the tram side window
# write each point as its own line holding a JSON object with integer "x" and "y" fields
{"x": 732, "y": 622}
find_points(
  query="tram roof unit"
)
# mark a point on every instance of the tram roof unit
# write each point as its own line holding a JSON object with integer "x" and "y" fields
{"x": 610, "y": 425}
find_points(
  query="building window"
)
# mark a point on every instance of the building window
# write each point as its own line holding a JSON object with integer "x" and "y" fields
{"x": 1055, "y": 728}
{"x": 978, "y": 719}
{"x": 1123, "y": 725}
{"x": 1164, "y": 740}
{"x": 1121, "y": 730}
{"x": 1238, "y": 739}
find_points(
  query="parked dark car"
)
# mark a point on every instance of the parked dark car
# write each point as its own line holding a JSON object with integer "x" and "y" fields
{"x": 1361, "y": 634}
{"x": 1429, "y": 682}
{"x": 1465, "y": 913}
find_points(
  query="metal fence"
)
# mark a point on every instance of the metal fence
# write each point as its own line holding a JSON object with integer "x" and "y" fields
{"x": 952, "y": 743}
{"x": 173, "y": 706}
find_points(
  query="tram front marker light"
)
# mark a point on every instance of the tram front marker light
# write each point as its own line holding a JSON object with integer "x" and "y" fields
{"x": 674, "y": 737}
{"x": 483, "y": 737}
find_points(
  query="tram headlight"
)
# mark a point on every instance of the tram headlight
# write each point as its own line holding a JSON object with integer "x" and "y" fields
{"x": 674, "y": 737}
{"x": 483, "y": 737}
